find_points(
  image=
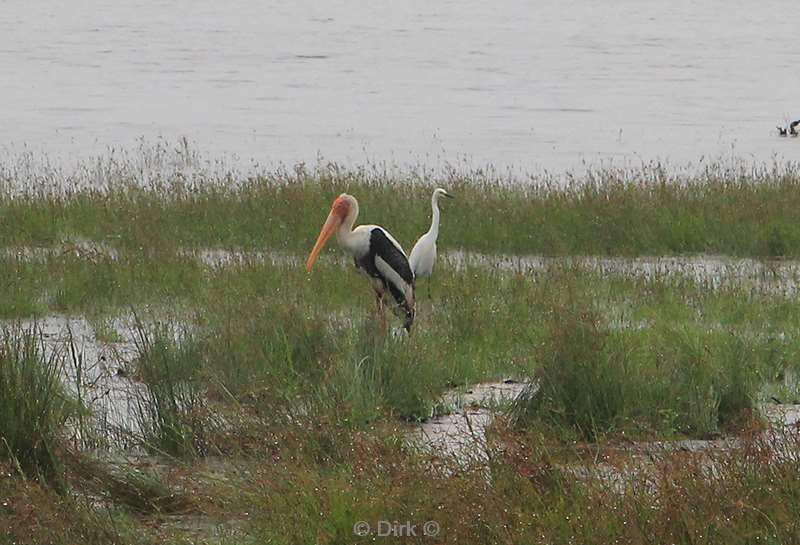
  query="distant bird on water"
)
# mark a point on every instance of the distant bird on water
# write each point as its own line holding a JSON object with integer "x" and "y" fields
{"x": 789, "y": 130}
{"x": 423, "y": 255}
{"x": 376, "y": 253}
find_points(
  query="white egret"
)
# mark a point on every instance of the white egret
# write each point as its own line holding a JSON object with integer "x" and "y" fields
{"x": 423, "y": 254}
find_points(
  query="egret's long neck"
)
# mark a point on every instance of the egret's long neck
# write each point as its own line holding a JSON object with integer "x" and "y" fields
{"x": 434, "y": 230}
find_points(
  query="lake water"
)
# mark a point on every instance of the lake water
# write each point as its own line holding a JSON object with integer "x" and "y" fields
{"x": 536, "y": 85}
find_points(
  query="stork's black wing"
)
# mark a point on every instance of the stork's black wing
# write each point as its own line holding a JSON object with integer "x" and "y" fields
{"x": 382, "y": 246}
{"x": 387, "y": 262}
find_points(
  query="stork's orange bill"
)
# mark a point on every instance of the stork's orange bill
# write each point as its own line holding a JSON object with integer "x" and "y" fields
{"x": 331, "y": 224}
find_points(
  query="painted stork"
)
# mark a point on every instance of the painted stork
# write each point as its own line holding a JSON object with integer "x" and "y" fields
{"x": 376, "y": 253}
{"x": 423, "y": 255}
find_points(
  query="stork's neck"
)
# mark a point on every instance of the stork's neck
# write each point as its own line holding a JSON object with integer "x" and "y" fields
{"x": 434, "y": 230}
{"x": 345, "y": 232}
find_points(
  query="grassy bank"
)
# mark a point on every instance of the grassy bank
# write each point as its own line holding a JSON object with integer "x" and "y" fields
{"x": 646, "y": 212}
{"x": 530, "y": 498}
{"x": 318, "y": 479}
{"x": 665, "y": 357}
{"x": 268, "y": 397}
{"x": 268, "y": 409}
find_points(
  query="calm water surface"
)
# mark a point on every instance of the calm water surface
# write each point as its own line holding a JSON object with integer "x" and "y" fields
{"x": 539, "y": 84}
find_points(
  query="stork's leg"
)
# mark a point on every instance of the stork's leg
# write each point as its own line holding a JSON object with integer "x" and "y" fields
{"x": 381, "y": 312}
{"x": 428, "y": 287}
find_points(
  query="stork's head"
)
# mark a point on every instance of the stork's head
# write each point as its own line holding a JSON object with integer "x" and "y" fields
{"x": 344, "y": 206}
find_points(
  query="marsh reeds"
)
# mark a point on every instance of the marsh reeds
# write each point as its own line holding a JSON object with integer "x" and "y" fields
{"x": 276, "y": 407}
{"x": 33, "y": 403}
{"x": 171, "y": 412}
{"x": 649, "y": 211}
{"x": 668, "y": 380}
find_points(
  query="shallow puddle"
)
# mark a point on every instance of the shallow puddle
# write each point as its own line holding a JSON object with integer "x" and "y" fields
{"x": 220, "y": 257}
{"x": 779, "y": 277}
{"x": 460, "y": 436}
{"x": 80, "y": 248}
{"x": 461, "y": 433}
{"x": 711, "y": 271}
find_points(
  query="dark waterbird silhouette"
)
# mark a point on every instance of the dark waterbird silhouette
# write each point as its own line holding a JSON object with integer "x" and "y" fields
{"x": 789, "y": 130}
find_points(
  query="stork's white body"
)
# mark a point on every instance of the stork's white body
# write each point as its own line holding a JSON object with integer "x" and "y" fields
{"x": 423, "y": 254}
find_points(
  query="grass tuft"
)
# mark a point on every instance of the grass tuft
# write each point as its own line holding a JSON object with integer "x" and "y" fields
{"x": 33, "y": 404}
{"x": 171, "y": 410}
{"x": 671, "y": 379}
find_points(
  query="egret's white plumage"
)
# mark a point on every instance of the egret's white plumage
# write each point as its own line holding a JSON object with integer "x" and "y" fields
{"x": 423, "y": 256}
{"x": 375, "y": 252}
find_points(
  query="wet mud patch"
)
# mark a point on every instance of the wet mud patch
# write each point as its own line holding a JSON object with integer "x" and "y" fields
{"x": 461, "y": 436}
{"x": 459, "y": 431}
{"x": 98, "y": 370}
{"x": 768, "y": 276}
{"x": 771, "y": 276}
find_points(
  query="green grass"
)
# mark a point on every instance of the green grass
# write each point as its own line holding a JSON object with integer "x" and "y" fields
{"x": 312, "y": 401}
{"x": 170, "y": 412}
{"x": 647, "y": 212}
{"x": 140, "y": 490}
{"x": 33, "y": 405}
{"x": 530, "y": 497}
{"x": 663, "y": 356}
{"x": 273, "y": 411}
{"x": 31, "y": 514}
{"x": 673, "y": 379}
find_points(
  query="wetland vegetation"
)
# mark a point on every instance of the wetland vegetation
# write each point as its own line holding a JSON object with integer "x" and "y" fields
{"x": 266, "y": 408}
{"x": 161, "y": 206}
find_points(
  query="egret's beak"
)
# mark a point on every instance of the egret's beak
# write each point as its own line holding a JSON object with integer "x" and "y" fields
{"x": 448, "y": 195}
{"x": 331, "y": 224}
